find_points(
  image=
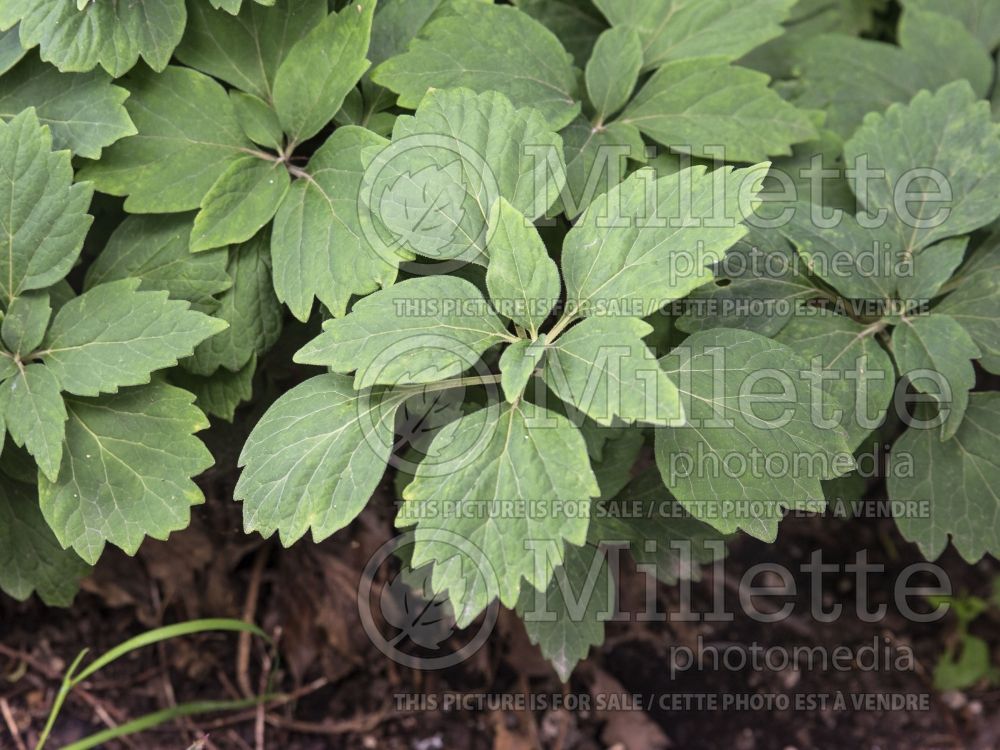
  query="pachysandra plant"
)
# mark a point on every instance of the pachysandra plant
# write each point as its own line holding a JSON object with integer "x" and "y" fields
{"x": 568, "y": 240}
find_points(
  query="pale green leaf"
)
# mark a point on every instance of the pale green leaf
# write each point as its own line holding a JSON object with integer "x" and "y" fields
{"x": 523, "y": 488}
{"x": 417, "y": 331}
{"x": 862, "y": 262}
{"x": 155, "y": 249}
{"x": 315, "y": 458}
{"x": 239, "y": 203}
{"x": 114, "y": 335}
{"x": 981, "y": 17}
{"x": 522, "y": 279}
{"x": 567, "y": 618}
{"x": 318, "y": 247}
{"x": 646, "y": 243}
{"x": 602, "y": 367}
{"x": 748, "y": 406}
{"x": 43, "y": 213}
{"x": 660, "y": 535}
{"x": 234, "y": 6}
{"x": 613, "y": 70}
{"x": 321, "y": 68}
{"x": 576, "y": 23}
{"x": 487, "y": 47}
{"x": 850, "y": 77}
{"x": 759, "y": 285}
{"x": 976, "y": 307}
{"x": 956, "y": 480}
{"x": 125, "y": 470}
{"x": 188, "y": 136}
{"x": 857, "y": 374}
{"x": 26, "y": 321}
{"x": 246, "y": 50}
{"x": 110, "y": 34}
{"x": 938, "y": 344}
{"x": 676, "y": 29}
{"x": 596, "y": 161}
{"x": 84, "y": 111}
{"x": 948, "y": 133}
{"x": 11, "y": 50}
{"x": 258, "y": 120}
{"x": 712, "y": 109}
{"x": 433, "y": 188}
{"x": 250, "y": 308}
{"x": 220, "y": 393}
{"x": 932, "y": 267}
{"x": 517, "y": 365}
{"x": 31, "y": 560}
{"x": 35, "y": 415}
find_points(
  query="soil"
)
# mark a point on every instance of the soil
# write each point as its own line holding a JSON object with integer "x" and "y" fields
{"x": 347, "y": 694}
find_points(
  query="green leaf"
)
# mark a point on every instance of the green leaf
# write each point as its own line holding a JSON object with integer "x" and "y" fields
{"x": 693, "y": 106}
{"x": 748, "y": 405}
{"x": 243, "y": 200}
{"x": 26, "y": 321}
{"x": 315, "y": 458}
{"x": 522, "y": 279}
{"x": 524, "y": 487}
{"x": 112, "y": 35}
{"x": 155, "y": 249}
{"x": 321, "y": 68}
{"x": 517, "y": 365}
{"x": 43, "y": 213}
{"x": 976, "y": 307}
{"x": 619, "y": 454}
{"x": 602, "y": 367}
{"x": 11, "y": 50}
{"x": 418, "y": 331}
{"x": 596, "y": 161}
{"x": 937, "y": 343}
{"x": 576, "y": 23}
{"x": 655, "y": 529}
{"x": 925, "y": 36}
{"x": 932, "y": 267}
{"x": 396, "y": 22}
{"x": 981, "y": 17}
{"x": 613, "y": 70}
{"x": 31, "y": 560}
{"x": 568, "y": 617}
{"x": 487, "y": 47}
{"x": 643, "y": 244}
{"x": 114, "y": 335}
{"x": 957, "y": 479}
{"x": 857, "y": 374}
{"x": 246, "y": 50}
{"x": 188, "y": 136}
{"x": 258, "y": 120}
{"x": 33, "y": 410}
{"x": 675, "y": 29}
{"x": 759, "y": 285}
{"x": 250, "y": 308}
{"x": 849, "y": 77}
{"x": 432, "y": 189}
{"x": 318, "y": 247}
{"x": 234, "y": 6}
{"x": 125, "y": 470}
{"x": 220, "y": 393}
{"x": 949, "y": 133}
{"x": 83, "y": 110}
{"x": 860, "y": 261}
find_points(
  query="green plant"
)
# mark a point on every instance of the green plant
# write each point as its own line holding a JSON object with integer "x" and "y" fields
{"x": 550, "y": 241}
{"x": 76, "y": 674}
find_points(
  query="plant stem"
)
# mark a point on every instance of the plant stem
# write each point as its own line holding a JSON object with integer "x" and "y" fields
{"x": 57, "y": 704}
